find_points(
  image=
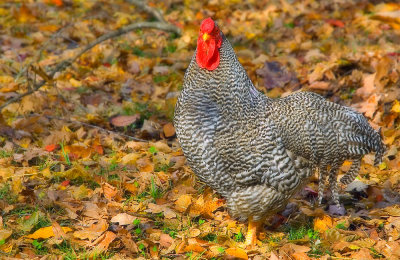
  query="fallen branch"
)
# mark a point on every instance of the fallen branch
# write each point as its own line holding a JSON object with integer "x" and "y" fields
{"x": 162, "y": 25}
{"x": 91, "y": 126}
{"x": 153, "y": 12}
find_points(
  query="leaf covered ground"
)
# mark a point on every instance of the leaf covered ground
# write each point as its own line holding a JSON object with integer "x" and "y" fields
{"x": 75, "y": 185}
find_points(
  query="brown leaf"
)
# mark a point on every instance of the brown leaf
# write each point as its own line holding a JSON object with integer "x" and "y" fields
{"x": 59, "y": 233}
{"x": 320, "y": 85}
{"x": 363, "y": 253}
{"x": 166, "y": 241}
{"x": 276, "y": 76}
{"x": 169, "y": 130}
{"x": 121, "y": 121}
{"x": 273, "y": 256}
{"x": 123, "y": 219}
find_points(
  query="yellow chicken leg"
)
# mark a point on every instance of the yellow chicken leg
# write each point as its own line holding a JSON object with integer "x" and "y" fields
{"x": 251, "y": 237}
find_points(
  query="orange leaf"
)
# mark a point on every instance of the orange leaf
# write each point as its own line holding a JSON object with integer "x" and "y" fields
{"x": 237, "y": 253}
{"x": 194, "y": 248}
{"x": 300, "y": 256}
{"x": 50, "y": 147}
{"x": 109, "y": 191}
{"x": 335, "y": 22}
{"x": 57, "y": 2}
{"x": 183, "y": 202}
{"x": 130, "y": 187}
{"x": 323, "y": 223}
{"x": 103, "y": 242}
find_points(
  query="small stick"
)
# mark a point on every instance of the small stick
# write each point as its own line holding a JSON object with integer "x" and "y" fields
{"x": 163, "y": 26}
{"x": 92, "y": 126}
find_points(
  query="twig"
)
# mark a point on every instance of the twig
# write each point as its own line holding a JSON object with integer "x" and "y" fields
{"x": 146, "y": 215}
{"x": 162, "y": 25}
{"x": 153, "y": 12}
{"x": 40, "y": 51}
{"x": 92, "y": 126}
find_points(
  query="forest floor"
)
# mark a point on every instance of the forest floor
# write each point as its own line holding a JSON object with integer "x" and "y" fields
{"x": 90, "y": 167}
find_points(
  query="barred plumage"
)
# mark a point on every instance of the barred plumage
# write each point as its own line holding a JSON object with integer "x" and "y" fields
{"x": 256, "y": 151}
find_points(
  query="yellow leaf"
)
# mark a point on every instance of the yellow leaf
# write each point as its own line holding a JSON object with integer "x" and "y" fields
{"x": 6, "y": 79}
{"x": 382, "y": 166}
{"x": 130, "y": 158}
{"x": 6, "y": 173}
{"x": 396, "y": 106}
{"x": 46, "y": 232}
{"x": 75, "y": 83}
{"x": 237, "y": 253}
{"x": 46, "y": 173}
{"x": 354, "y": 247}
{"x": 7, "y": 248}
{"x": 16, "y": 185}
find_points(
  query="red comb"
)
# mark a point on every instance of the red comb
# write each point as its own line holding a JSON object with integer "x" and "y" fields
{"x": 207, "y": 25}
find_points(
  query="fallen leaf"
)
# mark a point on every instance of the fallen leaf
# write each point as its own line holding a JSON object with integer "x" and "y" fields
{"x": 4, "y": 234}
{"x": 123, "y": 219}
{"x": 109, "y": 191}
{"x": 237, "y": 253}
{"x": 166, "y": 240}
{"x": 276, "y": 76}
{"x": 322, "y": 224}
{"x": 320, "y": 85}
{"x": 169, "y": 130}
{"x": 335, "y": 22}
{"x": 50, "y": 147}
{"x": 102, "y": 243}
{"x": 121, "y": 121}
{"x": 194, "y": 248}
{"x": 46, "y": 232}
{"x": 183, "y": 203}
{"x": 396, "y": 106}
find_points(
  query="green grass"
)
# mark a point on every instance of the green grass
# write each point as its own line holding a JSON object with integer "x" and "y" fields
{"x": 113, "y": 177}
{"x": 65, "y": 154}
{"x": 302, "y": 232}
{"x": 153, "y": 150}
{"x": 341, "y": 226}
{"x": 238, "y": 237}
{"x": 7, "y": 194}
{"x": 210, "y": 237}
{"x": 155, "y": 191}
{"x": 172, "y": 233}
{"x": 5, "y": 154}
{"x": 162, "y": 167}
{"x": 40, "y": 249}
{"x": 160, "y": 78}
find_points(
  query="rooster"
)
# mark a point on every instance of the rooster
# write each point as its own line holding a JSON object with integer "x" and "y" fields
{"x": 255, "y": 151}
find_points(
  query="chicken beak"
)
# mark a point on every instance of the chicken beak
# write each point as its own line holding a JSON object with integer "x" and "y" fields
{"x": 206, "y": 36}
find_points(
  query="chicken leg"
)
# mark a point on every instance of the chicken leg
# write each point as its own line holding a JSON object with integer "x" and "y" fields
{"x": 251, "y": 236}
